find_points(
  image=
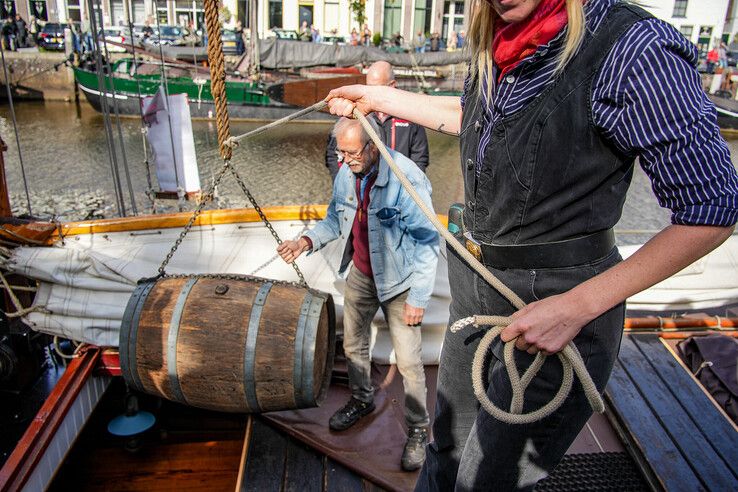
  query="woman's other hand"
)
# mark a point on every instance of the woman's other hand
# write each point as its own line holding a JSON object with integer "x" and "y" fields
{"x": 343, "y": 100}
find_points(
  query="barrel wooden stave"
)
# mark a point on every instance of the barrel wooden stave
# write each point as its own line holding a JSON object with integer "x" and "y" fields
{"x": 288, "y": 362}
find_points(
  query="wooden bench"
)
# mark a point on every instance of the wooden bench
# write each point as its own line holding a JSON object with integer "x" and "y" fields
{"x": 680, "y": 438}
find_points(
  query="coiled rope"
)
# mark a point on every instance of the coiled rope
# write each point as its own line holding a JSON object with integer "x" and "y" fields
{"x": 571, "y": 360}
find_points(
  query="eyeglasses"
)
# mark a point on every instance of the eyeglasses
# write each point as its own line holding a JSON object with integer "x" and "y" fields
{"x": 354, "y": 156}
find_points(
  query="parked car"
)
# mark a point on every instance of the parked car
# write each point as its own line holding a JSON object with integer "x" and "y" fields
{"x": 51, "y": 36}
{"x": 118, "y": 35}
{"x": 333, "y": 39}
{"x": 173, "y": 36}
{"x": 282, "y": 34}
{"x": 229, "y": 42}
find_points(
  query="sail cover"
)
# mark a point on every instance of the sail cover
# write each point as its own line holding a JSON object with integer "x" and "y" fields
{"x": 85, "y": 283}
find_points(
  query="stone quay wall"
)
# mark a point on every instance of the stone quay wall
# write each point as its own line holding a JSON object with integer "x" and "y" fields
{"x": 33, "y": 77}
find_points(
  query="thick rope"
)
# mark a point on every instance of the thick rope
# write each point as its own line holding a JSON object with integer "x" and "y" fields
{"x": 570, "y": 358}
{"x": 233, "y": 141}
{"x": 218, "y": 77}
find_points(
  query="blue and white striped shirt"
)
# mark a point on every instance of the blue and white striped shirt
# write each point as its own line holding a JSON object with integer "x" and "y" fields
{"x": 648, "y": 101}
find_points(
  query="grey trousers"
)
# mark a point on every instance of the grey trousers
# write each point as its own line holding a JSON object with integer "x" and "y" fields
{"x": 472, "y": 450}
{"x": 359, "y": 307}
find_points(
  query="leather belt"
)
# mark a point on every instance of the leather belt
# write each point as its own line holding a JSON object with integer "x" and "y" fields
{"x": 557, "y": 254}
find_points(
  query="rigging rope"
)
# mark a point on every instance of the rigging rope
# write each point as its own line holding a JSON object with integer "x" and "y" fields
{"x": 570, "y": 358}
{"x": 120, "y": 204}
{"x": 150, "y": 191}
{"x": 15, "y": 128}
{"x": 111, "y": 75}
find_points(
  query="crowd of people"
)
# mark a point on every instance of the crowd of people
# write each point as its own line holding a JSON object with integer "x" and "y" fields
{"x": 17, "y": 33}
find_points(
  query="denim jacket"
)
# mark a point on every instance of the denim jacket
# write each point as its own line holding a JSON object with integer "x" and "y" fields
{"x": 403, "y": 244}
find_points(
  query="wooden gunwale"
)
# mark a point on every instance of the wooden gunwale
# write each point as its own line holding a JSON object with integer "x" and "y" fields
{"x": 208, "y": 217}
{"x": 32, "y": 446}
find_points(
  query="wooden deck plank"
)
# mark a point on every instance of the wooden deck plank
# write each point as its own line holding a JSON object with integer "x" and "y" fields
{"x": 265, "y": 462}
{"x": 718, "y": 432}
{"x": 651, "y": 440}
{"x": 340, "y": 479}
{"x": 671, "y": 416}
{"x": 304, "y": 468}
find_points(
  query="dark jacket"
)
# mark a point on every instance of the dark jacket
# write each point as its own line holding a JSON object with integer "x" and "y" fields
{"x": 403, "y": 136}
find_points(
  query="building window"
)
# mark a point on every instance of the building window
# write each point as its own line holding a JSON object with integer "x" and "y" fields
{"x": 38, "y": 9}
{"x": 687, "y": 31}
{"x": 73, "y": 11}
{"x": 423, "y": 15}
{"x": 331, "y": 15}
{"x": 7, "y": 9}
{"x": 392, "y": 16}
{"x": 275, "y": 13}
{"x": 453, "y": 17}
{"x": 680, "y": 8}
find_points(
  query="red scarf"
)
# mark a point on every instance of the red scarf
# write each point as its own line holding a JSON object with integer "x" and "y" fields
{"x": 514, "y": 42}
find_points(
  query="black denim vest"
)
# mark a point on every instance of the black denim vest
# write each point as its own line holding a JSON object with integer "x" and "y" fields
{"x": 548, "y": 174}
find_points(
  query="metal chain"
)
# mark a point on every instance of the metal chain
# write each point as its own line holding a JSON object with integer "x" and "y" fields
{"x": 227, "y": 276}
{"x": 265, "y": 220}
{"x": 208, "y": 198}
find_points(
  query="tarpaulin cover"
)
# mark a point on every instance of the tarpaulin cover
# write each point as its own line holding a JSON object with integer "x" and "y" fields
{"x": 282, "y": 53}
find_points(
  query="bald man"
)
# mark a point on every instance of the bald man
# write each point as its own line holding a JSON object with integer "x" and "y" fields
{"x": 403, "y": 136}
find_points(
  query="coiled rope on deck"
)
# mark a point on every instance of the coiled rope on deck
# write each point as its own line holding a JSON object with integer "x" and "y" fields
{"x": 571, "y": 360}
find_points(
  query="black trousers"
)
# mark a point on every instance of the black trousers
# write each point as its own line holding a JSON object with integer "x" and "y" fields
{"x": 473, "y": 451}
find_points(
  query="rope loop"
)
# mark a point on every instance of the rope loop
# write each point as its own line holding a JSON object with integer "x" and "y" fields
{"x": 571, "y": 363}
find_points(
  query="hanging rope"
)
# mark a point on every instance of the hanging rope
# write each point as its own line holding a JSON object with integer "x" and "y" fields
{"x": 218, "y": 77}
{"x": 15, "y": 128}
{"x": 570, "y": 358}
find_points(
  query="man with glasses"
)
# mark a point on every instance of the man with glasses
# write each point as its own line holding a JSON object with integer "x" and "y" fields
{"x": 404, "y": 136}
{"x": 394, "y": 249}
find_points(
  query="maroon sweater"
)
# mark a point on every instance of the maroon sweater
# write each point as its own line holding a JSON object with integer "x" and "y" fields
{"x": 360, "y": 228}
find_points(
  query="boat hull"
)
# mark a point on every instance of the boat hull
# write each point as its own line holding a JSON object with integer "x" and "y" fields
{"x": 128, "y": 105}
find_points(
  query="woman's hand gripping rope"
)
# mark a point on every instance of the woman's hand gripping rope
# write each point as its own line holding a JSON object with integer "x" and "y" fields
{"x": 571, "y": 362}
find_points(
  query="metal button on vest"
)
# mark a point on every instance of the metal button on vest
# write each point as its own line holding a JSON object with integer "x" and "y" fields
{"x": 469, "y": 164}
{"x": 470, "y": 204}
{"x": 510, "y": 79}
{"x": 477, "y": 126}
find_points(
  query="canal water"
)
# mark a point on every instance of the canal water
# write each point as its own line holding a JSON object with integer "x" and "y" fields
{"x": 65, "y": 155}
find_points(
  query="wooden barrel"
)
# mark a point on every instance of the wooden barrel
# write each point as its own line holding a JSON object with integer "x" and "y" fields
{"x": 233, "y": 345}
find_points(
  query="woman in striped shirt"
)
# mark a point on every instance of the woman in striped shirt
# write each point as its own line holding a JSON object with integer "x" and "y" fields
{"x": 561, "y": 97}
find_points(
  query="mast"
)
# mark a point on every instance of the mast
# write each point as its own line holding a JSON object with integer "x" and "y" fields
{"x": 254, "y": 61}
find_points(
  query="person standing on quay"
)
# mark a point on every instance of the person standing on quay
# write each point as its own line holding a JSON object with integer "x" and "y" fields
{"x": 394, "y": 249}
{"x": 558, "y": 104}
{"x": 404, "y": 136}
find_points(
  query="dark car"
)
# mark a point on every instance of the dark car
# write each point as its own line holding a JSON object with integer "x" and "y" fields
{"x": 51, "y": 36}
{"x": 173, "y": 36}
{"x": 230, "y": 46}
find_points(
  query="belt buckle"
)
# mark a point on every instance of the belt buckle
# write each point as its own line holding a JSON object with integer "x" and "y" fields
{"x": 474, "y": 248}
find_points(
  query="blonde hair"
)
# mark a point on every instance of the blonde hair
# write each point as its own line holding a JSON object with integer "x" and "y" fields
{"x": 481, "y": 33}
